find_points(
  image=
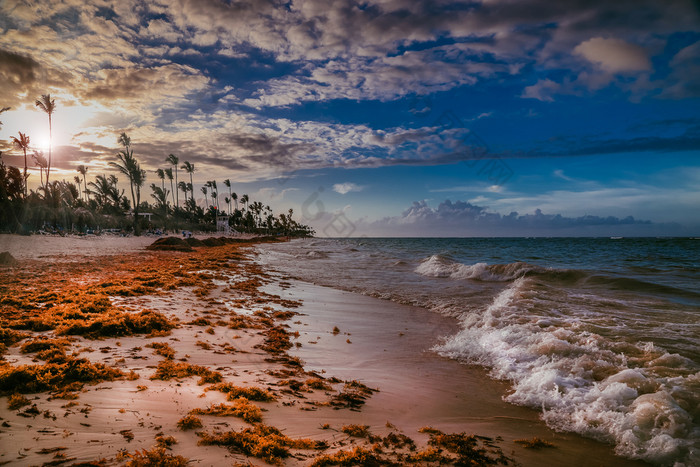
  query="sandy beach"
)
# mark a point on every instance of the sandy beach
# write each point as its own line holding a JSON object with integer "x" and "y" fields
{"x": 117, "y": 355}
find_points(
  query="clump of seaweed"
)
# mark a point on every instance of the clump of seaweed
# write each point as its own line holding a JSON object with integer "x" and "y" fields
{"x": 357, "y": 431}
{"x": 356, "y": 456}
{"x": 50, "y": 350}
{"x": 165, "y": 441}
{"x": 352, "y": 396}
{"x": 189, "y": 422}
{"x": 469, "y": 449}
{"x": 277, "y": 340}
{"x": 155, "y": 456}
{"x": 168, "y": 369}
{"x": 262, "y": 441}
{"x": 318, "y": 383}
{"x": 199, "y": 322}
{"x": 118, "y": 323}
{"x": 54, "y": 376}
{"x": 163, "y": 349}
{"x": 534, "y": 443}
{"x": 250, "y": 393}
{"x": 16, "y": 401}
{"x": 10, "y": 336}
{"x": 398, "y": 441}
{"x": 241, "y": 408}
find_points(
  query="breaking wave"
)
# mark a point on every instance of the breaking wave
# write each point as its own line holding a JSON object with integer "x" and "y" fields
{"x": 635, "y": 395}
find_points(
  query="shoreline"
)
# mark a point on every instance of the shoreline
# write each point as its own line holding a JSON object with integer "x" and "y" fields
{"x": 240, "y": 322}
{"x": 390, "y": 345}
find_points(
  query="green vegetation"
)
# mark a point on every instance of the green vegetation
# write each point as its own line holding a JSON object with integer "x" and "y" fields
{"x": 82, "y": 206}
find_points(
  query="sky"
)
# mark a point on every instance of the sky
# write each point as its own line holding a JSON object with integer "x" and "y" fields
{"x": 384, "y": 118}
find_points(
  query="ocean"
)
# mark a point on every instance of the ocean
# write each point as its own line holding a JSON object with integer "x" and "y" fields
{"x": 601, "y": 335}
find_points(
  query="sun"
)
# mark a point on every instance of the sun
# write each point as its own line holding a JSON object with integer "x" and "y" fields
{"x": 41, "y": 142}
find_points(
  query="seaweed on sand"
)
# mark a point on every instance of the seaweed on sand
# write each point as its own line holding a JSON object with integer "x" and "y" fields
{"x": 234, "y": 392}
{"x": 189, "y": 422}
{"x": 54, "y": 376}
{"x": 357, "y": 431}
{"x": 469, "y": 449}
{"x": 241, "y": 408}
{"x": 163, "y": 349}
{"x": 352, "y": 396}
{"x": 277, "y": 340}
{"x": 44, "y": 344}
{"x": 156, "y": 456}
{"x": 167, "y": 369}
{"x": 534, "y": 443}
{"x": 118, "y": 323}
{"x": 262, "y": 441}
{"x": 17, "y": 401}
{"x": 350, "y": 458}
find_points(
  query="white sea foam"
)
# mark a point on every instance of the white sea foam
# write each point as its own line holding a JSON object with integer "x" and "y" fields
{"x": 583, "y": 382}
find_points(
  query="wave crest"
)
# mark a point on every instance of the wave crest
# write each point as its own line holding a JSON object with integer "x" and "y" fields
{"x": 444, "y": 266}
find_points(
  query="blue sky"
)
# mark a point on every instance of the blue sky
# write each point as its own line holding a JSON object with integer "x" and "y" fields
{"x": 398, "y": 117}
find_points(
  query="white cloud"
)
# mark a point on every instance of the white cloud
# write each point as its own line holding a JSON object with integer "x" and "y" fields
{"x": 345, "y": 188}
{"x": 614, "y": 55}
{"x": 542, "y": 90}
{"x": 559, "y": 173}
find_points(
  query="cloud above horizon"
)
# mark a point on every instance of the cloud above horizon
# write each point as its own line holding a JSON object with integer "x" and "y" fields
{"x": 464, "y": 219}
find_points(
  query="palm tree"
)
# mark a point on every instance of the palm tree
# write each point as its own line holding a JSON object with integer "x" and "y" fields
{"x": 161, "y": 174}
{"x": 228, "y": 202}
{"x": 82, "y": 170}
{"x": 106, "y": 192}
{"x": 244, "y": 201}
{"x": 234, "y": 197}
{"x": 183, "y": 187}
{"x": 174, "y": 160}
{"x": 4, "y": 109}
{"x": 215, "y": 192}
{"x": 48, "y": 105}
{"x": 79, "y": 183}
{"x": 189, "y": 168}
{"x": 23, "y": 144}
{"x": 206, "y": 200}
{"x": 161, "y": 197}
{"x": 169, "y": 174}
{"x": 227, "y": 182}
{"x": 40, "y": 160}
{"x": 101, "y": 190}
{"x": 130, "y": 167}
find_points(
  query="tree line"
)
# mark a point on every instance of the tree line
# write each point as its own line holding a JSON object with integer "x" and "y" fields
{"x": 83, "y": 206}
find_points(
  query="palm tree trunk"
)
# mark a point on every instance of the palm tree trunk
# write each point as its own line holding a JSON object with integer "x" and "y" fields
{"x": 25, "y": 172}
{"x": 48, "y": 168}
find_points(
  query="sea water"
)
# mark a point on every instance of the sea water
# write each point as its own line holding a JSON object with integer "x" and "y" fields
{"x": 602, "y": 335}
